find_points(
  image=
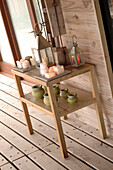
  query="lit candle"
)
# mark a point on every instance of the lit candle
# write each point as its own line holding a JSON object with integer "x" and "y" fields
{"x": 78, "y": 59}
{"x": 73, "y": 59}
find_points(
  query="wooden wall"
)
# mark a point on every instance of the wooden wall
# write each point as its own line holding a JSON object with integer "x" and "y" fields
{"x": 81, "y": 19}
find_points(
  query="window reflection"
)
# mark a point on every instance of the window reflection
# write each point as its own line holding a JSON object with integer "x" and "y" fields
{"x": 22, "y": 26}
{"x": 5, "y": 49}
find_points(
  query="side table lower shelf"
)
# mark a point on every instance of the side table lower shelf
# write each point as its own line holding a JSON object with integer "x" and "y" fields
{"x": 64, "y": 108}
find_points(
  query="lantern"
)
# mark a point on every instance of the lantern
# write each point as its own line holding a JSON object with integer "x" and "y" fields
{"x": 45, "y": 51}
{"x": 76, "y": 55}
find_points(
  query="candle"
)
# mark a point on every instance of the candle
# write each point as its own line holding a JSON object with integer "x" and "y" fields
{"x": 73, "y": 60}
{"x": 32, "y": 60}
{"x": 43, "y": 71}
{"x": 25, "y": 64}
{"x": 59, "y": 69}
{"x": 49, "y": 75}
{"x": 19, "y": 65}
{"x": 45, "y": 59}
{"x": 43, "y": 65}
{"x": 78, "y": 59}
{"x": 51, "y": 69}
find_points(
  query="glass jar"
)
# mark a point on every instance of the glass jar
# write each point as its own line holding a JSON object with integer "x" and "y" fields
{"x": 72, "y": 98}
{"x": 37, "y": 91}
{"x": 64, "y": 93}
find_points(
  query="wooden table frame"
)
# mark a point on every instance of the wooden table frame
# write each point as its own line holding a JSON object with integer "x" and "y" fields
{"x": 55, "y": 111}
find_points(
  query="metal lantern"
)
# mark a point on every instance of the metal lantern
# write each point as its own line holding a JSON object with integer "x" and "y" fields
{"x": 76, "y": 55}
{"x": 44, "y": 50}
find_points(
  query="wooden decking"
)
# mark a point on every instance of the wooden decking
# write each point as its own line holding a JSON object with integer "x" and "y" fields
{"x": 19, "y": 150}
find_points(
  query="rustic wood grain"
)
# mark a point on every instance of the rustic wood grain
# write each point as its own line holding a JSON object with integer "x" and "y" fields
{"x": 81, "y": 19}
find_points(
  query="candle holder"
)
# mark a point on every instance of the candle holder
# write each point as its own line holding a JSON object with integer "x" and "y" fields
{"x": 76, "y": 55}
{"x": 43, "y": 52}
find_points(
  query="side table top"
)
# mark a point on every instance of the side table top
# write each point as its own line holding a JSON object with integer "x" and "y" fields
{"x": 69, "y": 72}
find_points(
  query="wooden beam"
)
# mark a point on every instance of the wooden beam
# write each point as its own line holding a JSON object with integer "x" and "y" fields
{"x": 104, "y": 42}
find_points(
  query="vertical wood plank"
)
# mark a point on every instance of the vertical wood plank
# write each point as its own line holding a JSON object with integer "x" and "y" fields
{"x": 56, "y": 21}
{"x": 95, "y": 94}
{"x": 57, "y": 121}
{"x": 24, "y": 106}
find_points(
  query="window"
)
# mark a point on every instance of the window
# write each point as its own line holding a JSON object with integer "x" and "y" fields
{"x": 5, "y": 49}
{"x": 22, "y": 26}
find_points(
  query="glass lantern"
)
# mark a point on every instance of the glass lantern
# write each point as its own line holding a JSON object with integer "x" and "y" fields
{"x": 76, "y": 55}
{"x": 45, "y": 51}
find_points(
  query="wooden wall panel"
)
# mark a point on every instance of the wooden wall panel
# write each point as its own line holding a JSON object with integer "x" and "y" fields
{"x": 81, "y": 19}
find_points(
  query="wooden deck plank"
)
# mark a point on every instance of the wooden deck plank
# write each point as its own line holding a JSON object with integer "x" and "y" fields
{"x": 7, "y": 167}
{"x": 26, "y": 164}
{"x": 37, "y": 139}
{"x": 84, "y": 153}
{"x": 6, "y": 80}
{"x": 3, "y": 161}
{"x": 9, "y": 151}
{"x": 71, "y": 162}
{"x": 16, "y": 140}
{"x": 47, "y": 162}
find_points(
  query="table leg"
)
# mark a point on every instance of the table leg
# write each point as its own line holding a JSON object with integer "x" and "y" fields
{"x": 64, "y": 117}
{"x": 57, "y": 122}
{"x": 24, "y": 106}
{"x": 95, "y": 93}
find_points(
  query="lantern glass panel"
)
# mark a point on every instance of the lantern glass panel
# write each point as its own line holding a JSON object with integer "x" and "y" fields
{"x": 47, "y": 56}
{"x": 76, "y": 57}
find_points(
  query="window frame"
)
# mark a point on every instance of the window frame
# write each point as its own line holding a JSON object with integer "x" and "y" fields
{"x": 11, "y": 33}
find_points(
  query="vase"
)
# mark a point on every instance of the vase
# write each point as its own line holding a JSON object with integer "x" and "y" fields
{"x": 72, "y": 98}
{"x": 64, "y": 93}
{"x": 56, "y": 88}
{"x": 46, "y": 99}
{"x": 37, "y": 91}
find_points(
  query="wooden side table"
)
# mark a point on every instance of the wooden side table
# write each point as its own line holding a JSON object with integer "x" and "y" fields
{"x": 58, "y": 108}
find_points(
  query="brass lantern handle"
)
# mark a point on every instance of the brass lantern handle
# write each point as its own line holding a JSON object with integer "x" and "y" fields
{"x": 74, "y": 39}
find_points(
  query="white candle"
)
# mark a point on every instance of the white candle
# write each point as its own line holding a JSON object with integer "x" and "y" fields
{"x": 59, "y": 69}
{"x": 32, "y": 60}
{"x": 25, "y": 64}
{"x": 19, "y": 64}
{"x": 49, "y": 75}
{"x": 43, "y": 71}
{"x": 45, "y": 60}
{"x": 43, "y": 65}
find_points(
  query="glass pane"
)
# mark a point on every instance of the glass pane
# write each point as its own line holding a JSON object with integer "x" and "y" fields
{"x": 22, "y": 26}
{"x": 40, "y": 16}
{"x": 4, "y": 44}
